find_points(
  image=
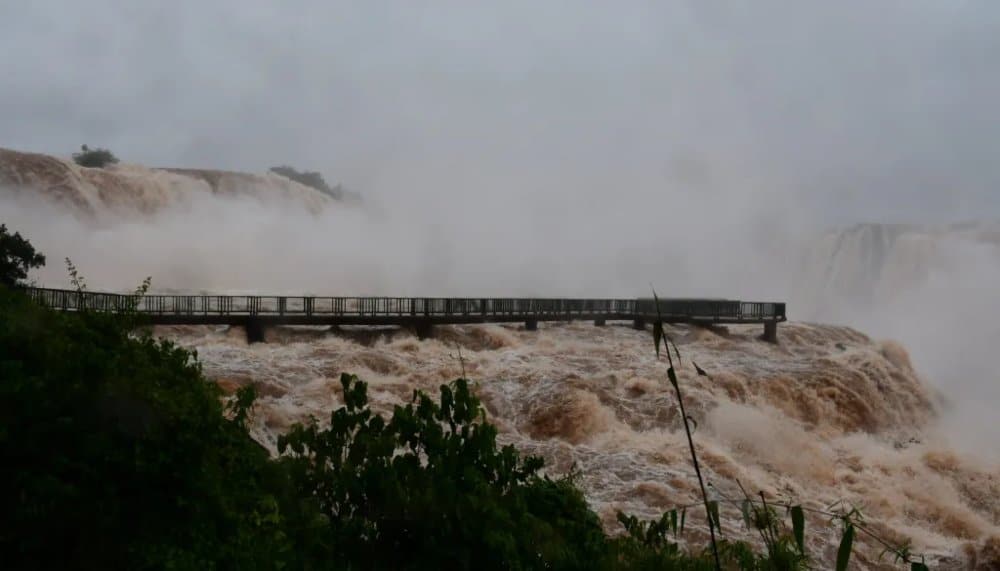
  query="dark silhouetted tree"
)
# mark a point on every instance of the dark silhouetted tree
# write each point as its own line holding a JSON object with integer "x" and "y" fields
{"x": 17, "y": 257}
{"x": 311, "y": 179}
{"x": 94, "y": 158}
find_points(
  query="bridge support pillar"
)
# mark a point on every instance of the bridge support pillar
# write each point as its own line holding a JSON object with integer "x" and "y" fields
{"x": 255, "y": 331}
{"x": 639, "y": 324}
{"x": 600, "y": 322}
{"x": 531, "y": 325}
{"x": 424, "y": 329}
{"x": 770, "y": 332}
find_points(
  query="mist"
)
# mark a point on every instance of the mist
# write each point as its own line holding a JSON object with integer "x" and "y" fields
{"x": 245, "y": 244}
{"x": 556, "y": 149}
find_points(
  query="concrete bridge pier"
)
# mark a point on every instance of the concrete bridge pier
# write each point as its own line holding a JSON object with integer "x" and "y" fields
{"x": 531, "y": 325}
{"x": 639, "y": 324}
{"x": 424, "y": 329}
{"x": 255, "y": 331}
{"x": 770, "y": 332}
{"x": 600, "y": 322}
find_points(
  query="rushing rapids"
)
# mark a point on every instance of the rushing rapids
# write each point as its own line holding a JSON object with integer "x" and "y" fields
{"x": 827, "y": 415}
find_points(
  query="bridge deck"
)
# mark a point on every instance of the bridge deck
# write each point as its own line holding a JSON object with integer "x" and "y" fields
{"x": 406, "y": 311}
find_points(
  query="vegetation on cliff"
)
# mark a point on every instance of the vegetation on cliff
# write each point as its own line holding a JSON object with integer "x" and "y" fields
{"x": 94, "y": 158}
{"x": 311, "y": 179}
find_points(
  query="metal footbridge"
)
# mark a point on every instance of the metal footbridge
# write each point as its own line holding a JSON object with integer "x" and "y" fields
{"x": 255, "y": 312}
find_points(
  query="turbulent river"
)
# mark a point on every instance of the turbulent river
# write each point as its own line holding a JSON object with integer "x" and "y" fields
{"x": 826, "y": 415}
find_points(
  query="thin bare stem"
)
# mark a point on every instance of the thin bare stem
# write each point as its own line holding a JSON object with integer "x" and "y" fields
{"x": 672, "y": 375}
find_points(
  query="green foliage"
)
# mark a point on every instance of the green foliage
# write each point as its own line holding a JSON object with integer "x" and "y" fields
{"x": 782, "y": 551}
{"x": 94, "y": 158}
{"x": 650, "y": 545}
{"x": 844, "y": 551}
{"x": 117, "y": 454}
{"x": 799, "y": 527}
{"x": 17, "y": 258}
{"x": 429, "y": 488}
{"x": 78, "y": 282}
{"x": 311, "y": 179}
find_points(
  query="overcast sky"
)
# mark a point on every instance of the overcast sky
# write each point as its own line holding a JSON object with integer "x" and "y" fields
{"x": 856, "y": 109}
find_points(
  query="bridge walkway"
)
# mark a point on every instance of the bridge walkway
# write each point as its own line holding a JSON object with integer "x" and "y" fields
{"x": 421, "y": 313}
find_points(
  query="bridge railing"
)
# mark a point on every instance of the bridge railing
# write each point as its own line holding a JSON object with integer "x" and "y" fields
{"x": 711, "y": 308}
{"x": 158, "y": 304}
{"x": 71, "y": 300}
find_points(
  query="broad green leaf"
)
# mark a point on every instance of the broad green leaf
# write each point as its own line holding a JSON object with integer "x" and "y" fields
{"x": 844, "y": 551}
{"x": 918, "y": 566}
{"x": 713, "y": 510}
{"x": 799, "y": 527}
{"x": 745, "y": 508}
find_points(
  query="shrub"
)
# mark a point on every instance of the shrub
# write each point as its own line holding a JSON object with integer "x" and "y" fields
{"x": 429, "y": 488}
{"x": 94, "y": 158}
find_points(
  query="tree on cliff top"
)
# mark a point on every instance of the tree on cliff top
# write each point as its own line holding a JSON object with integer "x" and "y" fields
{"x": 94, "y": 158}
{"x": 17, "y": 257}
{"x": 311, "y": 179}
